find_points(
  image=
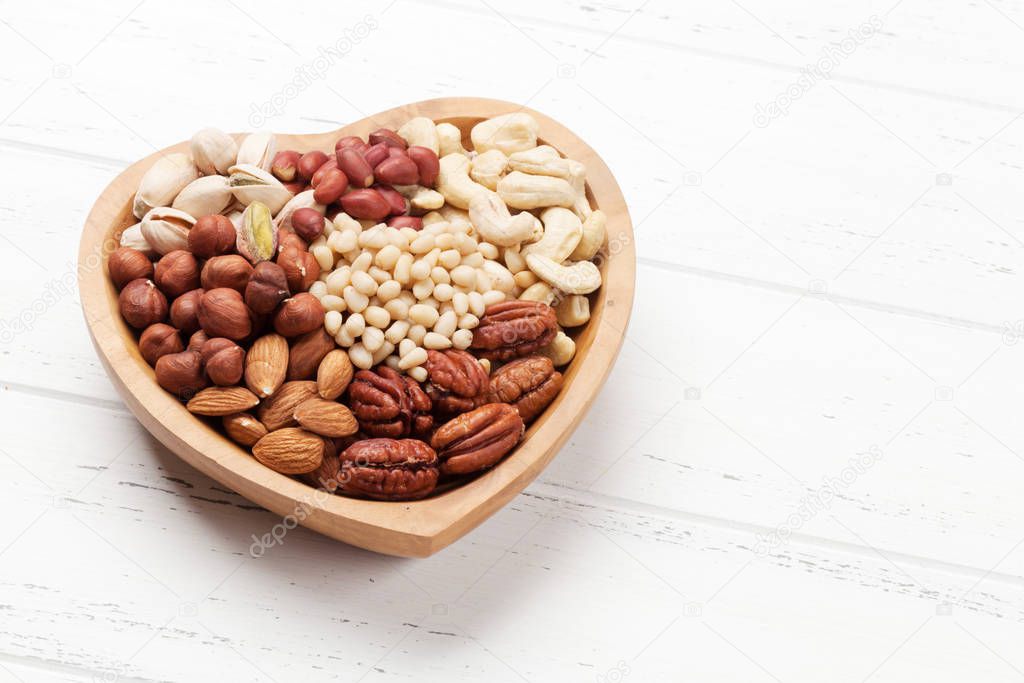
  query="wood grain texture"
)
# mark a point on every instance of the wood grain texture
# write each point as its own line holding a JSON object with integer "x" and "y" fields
{"x": 415, "y": 528}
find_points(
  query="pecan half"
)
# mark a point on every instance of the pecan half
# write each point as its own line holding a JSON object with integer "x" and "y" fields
{"x": 530, "y": 384}
{"x": 388, "y": 469}
{"x": 478, "y": 439}
{"x": 457, "y": 382}
{"x": 512, "y": 329}
{"x": 388, "y": 404}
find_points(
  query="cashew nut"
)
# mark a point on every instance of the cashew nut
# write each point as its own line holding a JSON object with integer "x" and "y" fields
{"x": 546, "y": 161}
{"x": 488, "y": 168}
{"x": 421, "y": 131}
{"x": 523, "y": 191}
{"x": 562, "y": 232}
{"x": 514, "y": 261}
{"x": 573, "y": 310}
{"x": 581, "y": 277}
{"x": 540, "y": 292}
{"x": 454, "y": 183}
{"x": 561, "y": 349}
{"x": 495, "y": 224}
{"x": 501, "y": 278}
{"x": 454, "y": 216}
{"x": 510, "y": 133}
{"x": 542, "y": 160}
{"x": 594, "y": 229}
{"x": 525, "y": 278}
{"x": 450, "y": 140}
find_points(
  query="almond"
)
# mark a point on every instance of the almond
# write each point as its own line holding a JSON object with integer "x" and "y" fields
{"x": 222, "y": 401}
{"x": 244, "y": 428}
{"x": 307, "y": 352}
{"x": 327, "y": 418}
{"x": 290, "y": 451}
{"x": 327, "y": 476}
{"x": 266, "y": 364}
{"x": 334, "y": 374}
{"x": 277, "y": 410}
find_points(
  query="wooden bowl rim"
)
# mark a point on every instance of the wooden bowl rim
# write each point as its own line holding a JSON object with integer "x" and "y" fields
{"x": 413, "y": 529}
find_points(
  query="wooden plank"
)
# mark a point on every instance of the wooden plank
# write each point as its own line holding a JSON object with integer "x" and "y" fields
{"x": 792, "y": 204}
{"x": 163, "y": 586}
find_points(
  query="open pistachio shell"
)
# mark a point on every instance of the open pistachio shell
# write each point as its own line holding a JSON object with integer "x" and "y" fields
{"x": 251, "y": 183}
{"x": 213, "y": 151}
{"x": 163, "y": 181}
{"x": 257, "y": 149}
{"x": 303, "y": 200}
{"x": 166, "y": 229}
{"x": 204, "y": 196}
{"x": 257, "y": 237}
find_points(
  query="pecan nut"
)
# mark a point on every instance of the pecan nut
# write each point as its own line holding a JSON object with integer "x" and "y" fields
{"x": 530, "y": 384}
{"x": 388, "y": 404}
{"x": 478, "y": 439}
{"x": 512, "y": 329}
{"x": 388, "y": 469}
{"x": 457, "y": 382}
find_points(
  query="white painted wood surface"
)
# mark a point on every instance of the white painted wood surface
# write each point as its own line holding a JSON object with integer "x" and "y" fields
{"x": 841, "y": 284}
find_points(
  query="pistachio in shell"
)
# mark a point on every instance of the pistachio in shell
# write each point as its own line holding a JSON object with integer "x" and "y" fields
{"x": 257, "y": 236}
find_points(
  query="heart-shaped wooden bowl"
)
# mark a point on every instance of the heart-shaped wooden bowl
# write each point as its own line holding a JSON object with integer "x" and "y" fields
{"x": 411, "y": 529}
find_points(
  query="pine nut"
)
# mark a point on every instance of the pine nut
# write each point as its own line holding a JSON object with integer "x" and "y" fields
{"x": 433, "y": 340}
{"x": 373, "y": 339}
{"x": 332, "y": 322}
{"x": 360, "y": 357}
{"x": 421, "y": 314}
{"x": 355, "y": 324}
{"x": 461, "y": 339}
{"x": 418, "y": 373}
{"x": 416, "y": 333}
{"x": 377, "y": 316}
{"x": 417, "y": 356}
{"x": 355, "y": 299}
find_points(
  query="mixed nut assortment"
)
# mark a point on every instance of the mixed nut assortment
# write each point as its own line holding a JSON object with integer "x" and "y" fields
{"x": 374, "y": 320}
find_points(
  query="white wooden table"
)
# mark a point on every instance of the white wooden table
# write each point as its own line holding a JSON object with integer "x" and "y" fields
{"x": 807, "y": 464}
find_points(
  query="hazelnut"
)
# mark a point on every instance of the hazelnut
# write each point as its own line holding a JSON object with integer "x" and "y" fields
{"x": 290, "y": 239}
{"x": 224, "y": 361}
{"x": 181, "y": 373}
{"x": 226, "y": 271}
{"x": 176, "y": 273}
{"x": 267, "y": 287}
{"x": 211, "y": 236}
{"x": 300, "y": 268}
{"x": 142, "y": 304}
{"x": 222, "y": 313}
{"x": 185, "y": 311}
{"x": 310, "y": 163}
{"x": 159, "y": 340}
{"x": 127, "y": 264}
{"x": 300, "y": 314}
{"x": 284, "y": 166}
{"x": 196, "y": 341}
{"x": 308, "y": 223}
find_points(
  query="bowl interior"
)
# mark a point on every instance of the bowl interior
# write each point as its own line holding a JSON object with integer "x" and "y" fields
{"x": 415, "y": 528}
